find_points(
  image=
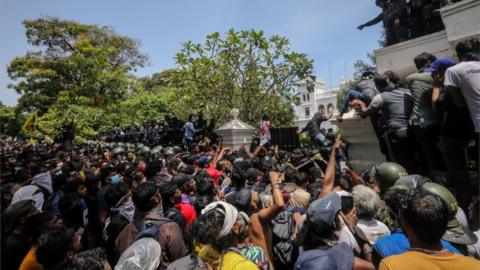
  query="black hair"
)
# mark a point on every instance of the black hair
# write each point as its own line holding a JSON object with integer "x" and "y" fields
{"x": 265, "y": 117}
{"x": 468, "y": 50}
{"x": 393, "y": 199}
{"x": 201, "y": 202}
{"x": 189, "y": 169}
{"x": 52, "y": 246}
{"x": 347, "y": 204}
{"x": 426, "y": 214}
{"x": 115, "y": 192}
{"x": 143, "y": 195}
{"x": 71, "y": 209}
{"x": 92, "y": 259}
{"x": 238, "y": 175}
{"x": 393, "y": 77}
{"x": 291, "y": 175}
{"x": 37, "y": 223}
{"x": 314, "y": 189}
{"x": 301, "y": 179}
{"x": 167, "y": 189}
{"x": 153, "y": 167}
{"x": 205, "y": 186}
{"x": 206, "y": 229}
{"x": 422, "y": 60}
{"x": 315, "y": 173}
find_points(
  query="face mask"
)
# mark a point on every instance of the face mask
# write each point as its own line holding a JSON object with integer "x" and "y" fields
{"x": 115, "y": 179}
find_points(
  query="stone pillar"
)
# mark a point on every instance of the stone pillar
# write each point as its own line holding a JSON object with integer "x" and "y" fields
{"x": 236, "y": 132}
{"x": 363, "y": 146}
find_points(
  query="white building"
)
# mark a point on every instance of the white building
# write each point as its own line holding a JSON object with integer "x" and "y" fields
{"x": 321, "y": 99}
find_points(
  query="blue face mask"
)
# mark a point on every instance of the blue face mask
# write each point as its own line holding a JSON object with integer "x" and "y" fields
{"x": 116, "y": 179}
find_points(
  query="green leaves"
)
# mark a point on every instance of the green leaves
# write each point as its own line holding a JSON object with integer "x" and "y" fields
{"x": 242, "y": 69}
{"x": 79, "y": 72}
{"x": 84, "y": 60}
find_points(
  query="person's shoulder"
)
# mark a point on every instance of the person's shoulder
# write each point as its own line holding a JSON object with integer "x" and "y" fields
{"x": 413, "y": 76}
{"x": 392, "y": 262}
{"x": 233, "y": 260}
{"x": 467, "y": 261}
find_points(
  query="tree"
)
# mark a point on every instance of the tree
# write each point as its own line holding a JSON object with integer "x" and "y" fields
{"x": 243, "y": 70}
{"x": 10, "y": 123}
{"x": 86, "y": 64}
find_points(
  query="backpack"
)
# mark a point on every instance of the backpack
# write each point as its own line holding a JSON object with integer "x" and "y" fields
{"x": 284, "y": 249}
{"x": 149, "y": 228}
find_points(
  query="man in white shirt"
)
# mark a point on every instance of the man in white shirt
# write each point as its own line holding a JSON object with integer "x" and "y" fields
{"x": 466, "y": 76}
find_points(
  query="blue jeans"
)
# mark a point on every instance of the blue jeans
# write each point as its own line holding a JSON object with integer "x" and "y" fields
{"x": 319, "y": 139}
{"x": 351, "y": 96}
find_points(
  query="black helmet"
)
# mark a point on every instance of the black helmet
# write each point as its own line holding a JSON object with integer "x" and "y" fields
{"x": 144, "y": 150}
{"x": 118, "y": 150}
{"x": 157, "y": 150}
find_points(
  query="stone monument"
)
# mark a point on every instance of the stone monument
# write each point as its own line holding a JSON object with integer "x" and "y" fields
{"x": 235, "y": 132}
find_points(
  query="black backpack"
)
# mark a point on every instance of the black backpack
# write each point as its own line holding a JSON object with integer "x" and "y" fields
{"x": 284, "y": 249}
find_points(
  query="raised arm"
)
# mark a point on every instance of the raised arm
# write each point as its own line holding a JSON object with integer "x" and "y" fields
{"x": 269, "y": 213}
{"x": 373, "y": 21}
{"x": 330, "y": 171}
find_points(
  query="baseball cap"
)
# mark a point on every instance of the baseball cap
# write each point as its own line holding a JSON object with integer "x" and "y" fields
{"x": 440, "y": 64}
{"x": 203, "y": 160}
{"x": 322, "y": 212}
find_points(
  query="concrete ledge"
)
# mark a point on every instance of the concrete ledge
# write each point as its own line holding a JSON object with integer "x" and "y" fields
{"x": 399, "y": 57}
{"x": 462, "y": 20}
{"x": 363, "y": 147}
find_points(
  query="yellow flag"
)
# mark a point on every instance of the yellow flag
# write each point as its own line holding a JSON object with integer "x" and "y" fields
{"x": 30, "y": 123}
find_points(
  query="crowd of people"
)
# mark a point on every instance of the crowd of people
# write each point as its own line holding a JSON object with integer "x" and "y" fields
{"x": 171, "y": 131}
{"x": 429, "y": 123}
{"x": 404, "y": 20}
{"x": 200, "y": 205}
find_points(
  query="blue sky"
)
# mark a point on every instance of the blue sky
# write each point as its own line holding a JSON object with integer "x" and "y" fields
{"x": 325, "y": 30}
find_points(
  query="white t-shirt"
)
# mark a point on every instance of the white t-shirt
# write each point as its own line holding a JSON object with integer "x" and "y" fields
{"x": 373, "y": 229}
{"x": 474, "y": 250}
{"x": 466, "y": 76}
{"x": 345, "y": 236}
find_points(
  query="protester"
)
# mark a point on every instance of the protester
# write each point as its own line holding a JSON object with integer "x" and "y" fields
{"x": 424, "y": 218}
{"x": 456, "y": 130}
{"x": 424, "y": 119}
{"x": 314, "y": 131}
{"x": 395, "y": 103}
{"x": 149, "y": 215}
{"x": 322, "y": 250}
{"x": 368, "y": 202}
{"x": 147, "y": 206}
{"x": 264, "y": 128}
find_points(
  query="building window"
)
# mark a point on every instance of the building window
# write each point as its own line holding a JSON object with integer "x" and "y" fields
{"x": 304, "y": 99}
{"x": 308, "y": 97}
{"x": 307, "y": 112}
{"x": 321, "y": 108}
{"x": 330, "y": 108}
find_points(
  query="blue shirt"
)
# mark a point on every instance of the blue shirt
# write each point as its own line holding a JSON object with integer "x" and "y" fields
{"x": 189, "y": 130}
{"x": 397, "y": 243}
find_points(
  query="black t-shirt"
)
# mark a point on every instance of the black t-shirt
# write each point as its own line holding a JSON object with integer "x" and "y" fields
{"x": 455, "y": 120}
{"x": 14, "y": 250}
